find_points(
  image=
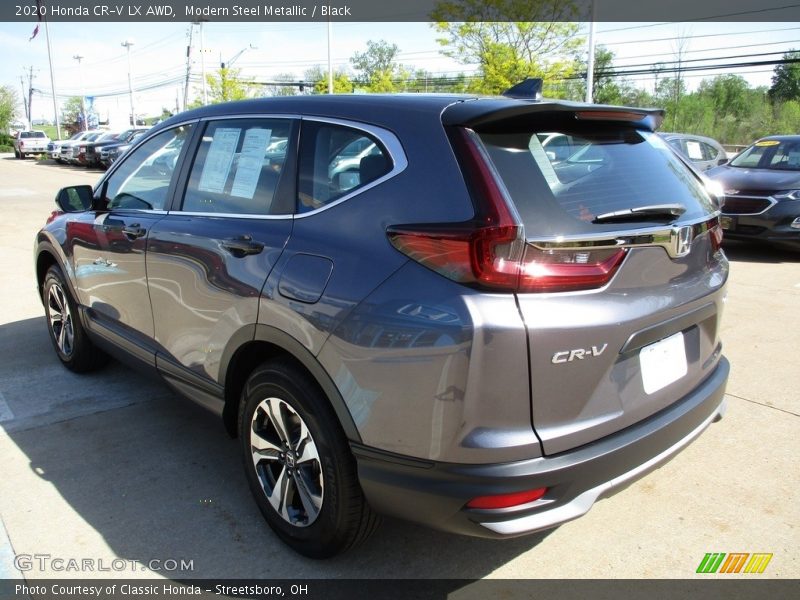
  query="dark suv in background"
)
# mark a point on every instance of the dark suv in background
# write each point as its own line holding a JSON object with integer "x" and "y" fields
{"x": 404, "y": 305}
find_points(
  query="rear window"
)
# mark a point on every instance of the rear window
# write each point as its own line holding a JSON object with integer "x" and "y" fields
{"x": 562, "y": 180}
{"x": 32, "y": 134}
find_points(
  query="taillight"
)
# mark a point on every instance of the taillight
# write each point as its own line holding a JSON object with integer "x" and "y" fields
{"x": 506, "y": 500}
{"x": 715, "y": 234}
{"x": 490, "y": 251}
{"x": 21, "y": 143}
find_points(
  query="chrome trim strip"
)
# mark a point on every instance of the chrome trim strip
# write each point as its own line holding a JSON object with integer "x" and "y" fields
{"x": 231, "y": 215}
{"x": 772, "y": 202}
{"x": 675, "y": 239}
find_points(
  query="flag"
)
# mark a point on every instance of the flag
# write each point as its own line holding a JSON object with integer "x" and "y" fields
{"x": 38, "y": 12}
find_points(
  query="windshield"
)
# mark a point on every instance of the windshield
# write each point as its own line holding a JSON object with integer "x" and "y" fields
{"x": 566, "y": 181}
{"x": 778, "y": 155}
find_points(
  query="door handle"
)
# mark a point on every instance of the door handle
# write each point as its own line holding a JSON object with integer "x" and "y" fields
{"x": 242, "y": 246}
{"x": 134, "y": 230}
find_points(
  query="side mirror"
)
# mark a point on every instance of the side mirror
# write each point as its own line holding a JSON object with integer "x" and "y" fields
{"x": 722, "y": 161}
{"x": 76, "y": 198}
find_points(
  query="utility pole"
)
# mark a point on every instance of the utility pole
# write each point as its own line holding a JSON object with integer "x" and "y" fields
{"x": 188, "y": 68}
{"x": 330, "y": 65}
{"x": 203, "y": 66}
{"x": 590, "y": 65}
{"x": 52, "y": 80}
{"x": 78, "y": 57}
{"x": 25, "y": 102}
{"x": 127, "y": 44}
{"x": 30, "y": 98}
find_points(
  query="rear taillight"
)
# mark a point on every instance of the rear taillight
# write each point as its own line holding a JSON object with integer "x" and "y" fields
{"x": 715, "y": 234}
{"x": 506, "y": 500}
{"x": 490, "y": 251}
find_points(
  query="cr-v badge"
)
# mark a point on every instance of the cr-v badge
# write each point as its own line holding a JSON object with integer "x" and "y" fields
{"x": 578, "y": 354}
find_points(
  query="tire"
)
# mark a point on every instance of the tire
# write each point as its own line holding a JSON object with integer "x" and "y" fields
{"x": 73, "y": 347}
{"x": 291, "y": 441}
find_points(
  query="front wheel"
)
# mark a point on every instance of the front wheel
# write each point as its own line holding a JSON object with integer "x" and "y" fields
{"x": 73, "y": 347}
{"x": 299, "y": 465}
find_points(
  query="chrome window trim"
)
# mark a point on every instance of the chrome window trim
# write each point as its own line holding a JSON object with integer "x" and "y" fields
{"x": 772, "y": 202}
{"x": 254, "y": 216}
{"x": 672, "y": 238}
{"x": 389, "y": 140}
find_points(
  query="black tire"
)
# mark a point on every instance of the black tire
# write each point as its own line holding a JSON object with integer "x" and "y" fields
{"x": 73, "y": 347}
{"x": 281, "y": 391}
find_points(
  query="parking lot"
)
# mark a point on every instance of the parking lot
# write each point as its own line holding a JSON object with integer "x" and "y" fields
{"x": 115, "y": 466}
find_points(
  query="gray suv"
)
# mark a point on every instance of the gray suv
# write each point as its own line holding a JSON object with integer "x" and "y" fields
{"x": 455, "y": 329}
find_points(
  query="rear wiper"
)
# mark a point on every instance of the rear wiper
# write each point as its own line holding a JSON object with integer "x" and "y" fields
{"x": 656, "y": 212}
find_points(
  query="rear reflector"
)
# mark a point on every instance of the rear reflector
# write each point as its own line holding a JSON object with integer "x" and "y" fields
{"x": 506, "y": 500}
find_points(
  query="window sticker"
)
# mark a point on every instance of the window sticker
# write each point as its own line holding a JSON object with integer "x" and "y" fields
{"x": 251, "y": 159}
{"x": 693, "y": 150}
{"x": 219, "y": 160}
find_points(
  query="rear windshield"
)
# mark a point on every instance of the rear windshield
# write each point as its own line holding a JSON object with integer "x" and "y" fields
{"x": 561, "y": 180}
{"x": 779, "y": 155}
{"x": 32, "y": 134}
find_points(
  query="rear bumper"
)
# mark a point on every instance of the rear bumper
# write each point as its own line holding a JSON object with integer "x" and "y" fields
{"x": 435, "y": 494}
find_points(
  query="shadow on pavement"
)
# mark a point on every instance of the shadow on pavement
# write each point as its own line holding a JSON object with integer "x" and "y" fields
{"x": 158, "y": 478}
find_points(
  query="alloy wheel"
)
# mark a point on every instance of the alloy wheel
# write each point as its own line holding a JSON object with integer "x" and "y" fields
{"x": 60, "y": 318}
{"x": 287, "y": 462}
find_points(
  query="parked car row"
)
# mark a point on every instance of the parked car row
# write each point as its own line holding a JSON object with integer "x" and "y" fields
{"x": 94, "y": 148}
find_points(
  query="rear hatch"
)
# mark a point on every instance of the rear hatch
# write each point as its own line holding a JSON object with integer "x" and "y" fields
{"x": 620, "y": 276}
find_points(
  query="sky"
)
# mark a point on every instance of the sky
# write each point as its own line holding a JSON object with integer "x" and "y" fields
{"x": 158, "y": 54}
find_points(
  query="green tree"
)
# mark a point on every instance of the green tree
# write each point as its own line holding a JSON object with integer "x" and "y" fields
{"x": 318, "y": 78}
{"x": 223, "y": 85}
{"x": 8, "y": 107}
{"x": 283, "y": 90}
{"x": 786, "y": 80}
{"x": 70, "y": 113}
{"x": 509, "y": 40}
{"x": 377, "y": 62}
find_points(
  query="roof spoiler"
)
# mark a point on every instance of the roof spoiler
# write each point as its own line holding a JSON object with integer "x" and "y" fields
{"x": 530, "y": 89}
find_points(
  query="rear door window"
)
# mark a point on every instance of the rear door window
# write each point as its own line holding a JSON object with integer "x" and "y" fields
{"x": 611, "y": 168}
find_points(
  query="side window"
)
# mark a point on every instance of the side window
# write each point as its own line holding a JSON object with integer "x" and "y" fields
{"x": 709, "y": 152}
{"x": 142, "y": 180}
{"x": 238, "y": 166}
{"x": 336, "y": 160}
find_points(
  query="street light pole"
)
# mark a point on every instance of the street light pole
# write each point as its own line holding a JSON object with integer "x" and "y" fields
{"x": 127, "y": 44}
{"x": 78, "y": 57}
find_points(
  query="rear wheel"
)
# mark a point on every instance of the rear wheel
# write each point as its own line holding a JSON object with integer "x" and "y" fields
{"x": 299, "y": 465}
{"x": 73, "y": 347}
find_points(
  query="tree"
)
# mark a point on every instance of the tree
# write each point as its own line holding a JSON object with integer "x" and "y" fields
{"x": 509, "y": 39}
{"x": 318, "y": 77}
{"x": 71, "y": 112}
{"x": 8, "y": 107}
{"x": 283, "y": 90}
{"x": 223, "y": 85}
{"x": 786, "y": 80}
{"x": 376, "y": 62}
